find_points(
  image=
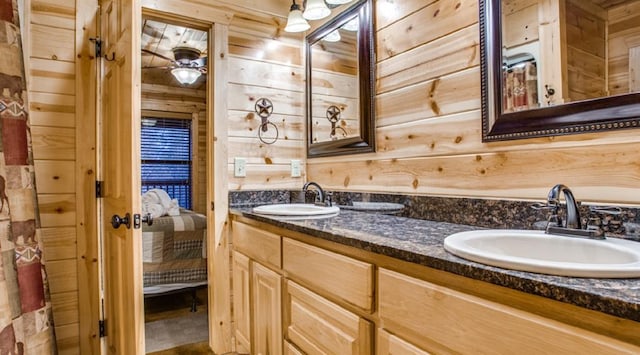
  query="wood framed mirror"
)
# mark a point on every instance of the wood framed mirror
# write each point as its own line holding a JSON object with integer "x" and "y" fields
{"x": 340, "y": 84}
{"x": 552, "y": 68}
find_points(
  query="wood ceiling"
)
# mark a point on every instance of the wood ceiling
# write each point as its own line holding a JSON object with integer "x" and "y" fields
{"x": 159, "y": 37}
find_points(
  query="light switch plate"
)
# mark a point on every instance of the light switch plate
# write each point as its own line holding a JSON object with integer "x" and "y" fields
{"x": 239, "y": 167}
{"x": 295, "y": 168}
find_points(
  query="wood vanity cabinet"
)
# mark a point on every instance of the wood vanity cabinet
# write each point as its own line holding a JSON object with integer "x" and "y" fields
{"x": 296, "y": 294}
{"x": 257, "y": 290}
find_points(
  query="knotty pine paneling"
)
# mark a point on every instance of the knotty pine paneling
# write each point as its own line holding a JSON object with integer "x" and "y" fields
{"x": 55, "y": 176}
{"x": 623, "y": 36}
{"x": 57, "y": 210}
{"x": 65, "y": 307}
{"x": 431, "y": 22}
{"x": 52, "y": 109}
{"x": 59, "y": 243}
{"x": 429, "y": 126}
{"x": 265, "y": 63}
{"x": 443, "y": 56}
{"x": 53, "y": 143}
{"x": 50, "y": 43}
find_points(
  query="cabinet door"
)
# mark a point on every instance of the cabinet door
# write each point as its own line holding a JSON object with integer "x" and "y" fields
{"x": 389, "y": 344}
{"x": 241, "y": 302}
{"x": 318, "y": 326}
{"x": 267, "y": 311}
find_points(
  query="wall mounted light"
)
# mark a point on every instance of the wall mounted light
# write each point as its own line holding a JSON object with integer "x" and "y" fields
{"x": 333, "y": 36}
{"x": 352, "y": 25}
{"x": 315, "y": 10}
{"x": 186, "y": 75}
{"x": 295, "y": 21}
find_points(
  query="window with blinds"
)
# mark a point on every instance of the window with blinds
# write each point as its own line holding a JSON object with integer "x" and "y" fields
{"x": 166, "y": 151}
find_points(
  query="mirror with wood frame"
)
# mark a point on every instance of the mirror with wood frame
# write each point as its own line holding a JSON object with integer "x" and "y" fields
{"x": 340, "y": 84}
{"x": 558, "y": 67}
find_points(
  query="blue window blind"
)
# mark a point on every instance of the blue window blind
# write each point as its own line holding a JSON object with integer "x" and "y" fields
{"x": 166, "y": 151}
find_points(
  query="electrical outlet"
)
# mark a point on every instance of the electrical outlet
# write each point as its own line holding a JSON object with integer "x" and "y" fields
{"x": 239, "y": 167}
{"x": 295, "y": 168}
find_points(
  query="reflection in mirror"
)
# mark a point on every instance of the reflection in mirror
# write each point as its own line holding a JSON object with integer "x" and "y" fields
{"x": 334, "y": 78}
{"x": 339, "y": 84}
{"x": 559, "y": 67}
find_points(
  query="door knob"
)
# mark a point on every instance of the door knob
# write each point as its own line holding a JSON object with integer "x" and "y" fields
{"x": 117, "y": 221}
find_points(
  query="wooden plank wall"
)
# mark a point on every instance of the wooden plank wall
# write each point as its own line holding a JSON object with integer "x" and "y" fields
{"x": 50, "y": 26}
{"x": 624, "y": 48}
{"x": 429, "y": 124}
{"x": 586, "y": 50}
{"x": 265, "y": 62}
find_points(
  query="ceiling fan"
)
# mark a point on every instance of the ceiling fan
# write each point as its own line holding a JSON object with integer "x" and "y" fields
{"x": 187, "y": 66}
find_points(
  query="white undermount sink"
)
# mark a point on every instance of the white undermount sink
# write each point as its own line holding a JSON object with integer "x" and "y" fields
{"x": 535, "y": 251}
{"x": 297, "y": 210}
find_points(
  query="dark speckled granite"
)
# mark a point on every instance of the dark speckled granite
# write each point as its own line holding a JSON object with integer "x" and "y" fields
{"x": 421, "y": 242}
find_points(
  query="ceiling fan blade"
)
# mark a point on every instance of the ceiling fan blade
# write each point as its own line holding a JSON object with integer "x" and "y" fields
{"x": 159, "y": 67}
{"x": 157, "y": 54}
{"x": 153, "y": 32}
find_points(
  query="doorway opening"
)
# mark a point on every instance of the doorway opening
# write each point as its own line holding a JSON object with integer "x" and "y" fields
{"x": 173, "y": 176}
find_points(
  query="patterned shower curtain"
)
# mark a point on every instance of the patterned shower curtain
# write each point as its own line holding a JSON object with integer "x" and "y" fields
{"x": 26, "y": 325}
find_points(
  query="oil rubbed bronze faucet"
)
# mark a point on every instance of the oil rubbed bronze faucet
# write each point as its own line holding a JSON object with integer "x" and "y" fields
{"x": 322, "y": 198}
{"x": 572, "y": 226}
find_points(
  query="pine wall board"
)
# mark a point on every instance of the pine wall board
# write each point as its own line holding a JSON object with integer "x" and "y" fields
{"x": 50, "y": 46}
{"x": 265, "y": 62}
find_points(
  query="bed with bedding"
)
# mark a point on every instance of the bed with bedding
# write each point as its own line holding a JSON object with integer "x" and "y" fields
{"x": 173, "y": 251}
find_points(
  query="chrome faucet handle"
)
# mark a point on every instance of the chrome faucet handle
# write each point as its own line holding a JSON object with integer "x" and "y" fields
{"x": 328, "y": 202}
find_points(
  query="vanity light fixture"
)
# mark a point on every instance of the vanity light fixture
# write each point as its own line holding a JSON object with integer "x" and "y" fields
{"x": 333, "y": 36}
{"x": 316, "y": 10}
{"x": 295, "y": 21}
{"x": 186, "y": 75}
{"x": 352, "y": 25}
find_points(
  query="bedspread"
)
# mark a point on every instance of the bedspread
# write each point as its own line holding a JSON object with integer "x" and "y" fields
{"x": 174, "y": 249}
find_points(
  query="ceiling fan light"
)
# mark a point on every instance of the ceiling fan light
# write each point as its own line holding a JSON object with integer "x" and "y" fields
{"x": 316, "y": 10}
{"x": 186, "y": 75}
{"x": 295, "y": 21}
{"x": 338, "y": 2}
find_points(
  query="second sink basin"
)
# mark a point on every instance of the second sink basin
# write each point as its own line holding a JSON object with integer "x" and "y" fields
{"x": 538, "y": 252}
{"x": 296, "y": 209}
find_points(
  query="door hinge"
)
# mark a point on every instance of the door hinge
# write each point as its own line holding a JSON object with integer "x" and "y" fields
{"x": 99, "y": 188}
{"x": 102, "y": 330}
{"x": 97, "y": 42}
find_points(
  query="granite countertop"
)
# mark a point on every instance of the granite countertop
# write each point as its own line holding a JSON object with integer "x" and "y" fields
{"x": 421, "y": 242}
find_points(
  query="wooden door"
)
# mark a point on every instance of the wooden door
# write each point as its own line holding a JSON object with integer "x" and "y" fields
{"x": 267, "y": 311}
{"x": 120, "y": 142}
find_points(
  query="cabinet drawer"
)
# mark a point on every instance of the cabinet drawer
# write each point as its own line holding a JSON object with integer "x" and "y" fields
{"x": 389, "y": 344}
{"x": 257, "y": 244}
{"x": 318, "y": 326}
{"x": 435, "y": 317}
{"x": 338, "y": 275}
